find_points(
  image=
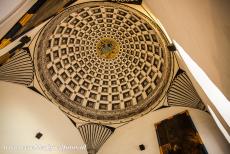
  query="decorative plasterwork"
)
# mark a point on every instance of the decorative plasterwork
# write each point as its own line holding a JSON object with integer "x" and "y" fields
{"x": 182, "y": 93}
{"x": 18, "y": 68}
{"x": 127, "y": 82}
{"x": 94, "y": 136}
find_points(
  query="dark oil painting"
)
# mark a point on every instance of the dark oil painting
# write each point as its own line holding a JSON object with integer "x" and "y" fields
{"x": 178, "y": 135}
{"x": 137, "y": 2}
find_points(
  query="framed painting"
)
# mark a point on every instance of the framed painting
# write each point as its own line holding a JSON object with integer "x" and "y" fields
{"x": 178, "y": 135}
{"x": 137, "y": 2}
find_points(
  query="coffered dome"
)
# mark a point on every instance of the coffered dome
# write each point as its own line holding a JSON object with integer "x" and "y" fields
{"x": 102, "y": 61}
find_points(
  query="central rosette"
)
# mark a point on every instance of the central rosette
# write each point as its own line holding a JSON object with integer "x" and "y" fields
{"x": 107, "y": 48}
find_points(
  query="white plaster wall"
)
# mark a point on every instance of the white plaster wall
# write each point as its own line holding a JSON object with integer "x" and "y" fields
{"x": 125, "y": 140}
{"x": 201, "y": 27}
{"x": 23, "y": 113}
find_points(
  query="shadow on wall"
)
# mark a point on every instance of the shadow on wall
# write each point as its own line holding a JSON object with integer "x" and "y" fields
{"x": 210, "y": 89}
{"x": 202, "y": 28}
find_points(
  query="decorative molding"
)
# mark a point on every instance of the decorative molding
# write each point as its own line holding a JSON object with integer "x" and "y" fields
{"x": 182, "y": 93}
{"x": 95, "y": 135}
{"x": 115, "y": 88}
{"x": 18, "y": 69}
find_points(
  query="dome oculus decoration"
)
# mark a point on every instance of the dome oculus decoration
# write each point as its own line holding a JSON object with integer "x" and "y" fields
{"x": 102, "y": 61}
{"x": 107, "y": 48}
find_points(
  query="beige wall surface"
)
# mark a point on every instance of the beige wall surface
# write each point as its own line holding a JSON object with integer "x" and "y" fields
{"x": 202, "y": 28}
{"x": 24, "y": 113}
{"x": 126, "y": 139}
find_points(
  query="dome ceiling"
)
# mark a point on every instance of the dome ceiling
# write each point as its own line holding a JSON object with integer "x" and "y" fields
{"x": 102, "y": 61}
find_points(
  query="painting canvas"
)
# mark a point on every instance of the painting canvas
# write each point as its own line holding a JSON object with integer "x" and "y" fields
{"x": 178, "y": 135}
{"x": 137, "y": 2}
